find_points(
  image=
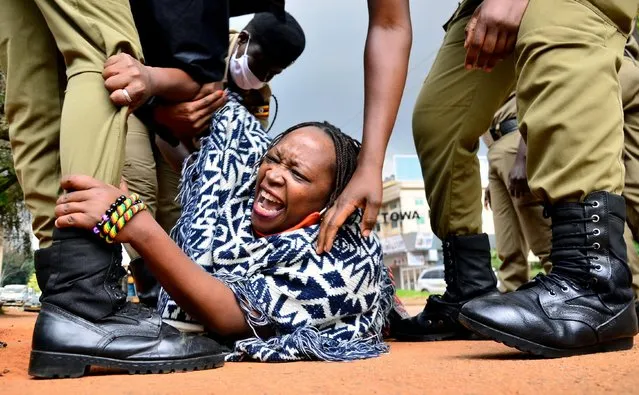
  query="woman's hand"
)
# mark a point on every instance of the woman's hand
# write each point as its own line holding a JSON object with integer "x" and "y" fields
{"x": 129, "y": 81}
{"x": 492, "y": 31}
{"x": 84, "y": 206}
{"x": 186, "y": 120}
{"x": 363, "y": 191}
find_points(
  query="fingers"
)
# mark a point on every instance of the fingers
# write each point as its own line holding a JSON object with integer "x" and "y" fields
{"x": 370, "y": 217}
{"x": 202, "y": 123}
{"x": 76, "y": 220}
{"x": 206, "y": 90}
{"x": 68, "y": 208}
{"x": 117, "y": 82}
{"x": 487, "y": 50}
{"x": 331, "y": 223}
{"x": 208, "y": 101}
{"x": 75, "y": 197}
{"x": 323, "y": 230}
{"x": 474, "y": 43}
{"x": 116, "y": 59}
{"x": 79, "y": 182}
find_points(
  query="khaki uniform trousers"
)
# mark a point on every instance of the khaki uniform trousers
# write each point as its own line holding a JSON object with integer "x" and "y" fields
{"x": 148, "y": 174}
{"x": 61, "y": 120}
{"x": 520, "y": 225}
{"x": 629, "y": 79}
{"x": 568, "y": 100}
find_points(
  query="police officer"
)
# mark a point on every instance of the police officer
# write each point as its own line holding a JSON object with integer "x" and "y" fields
{"x": 520, "y": 225}
{"x": 63, "y": 121}
{"x": 517, "y": 215}
{"x": 570, "y": 115}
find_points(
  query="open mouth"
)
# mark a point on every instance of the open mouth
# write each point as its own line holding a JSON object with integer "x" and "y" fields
{"x": 268, "y": 206}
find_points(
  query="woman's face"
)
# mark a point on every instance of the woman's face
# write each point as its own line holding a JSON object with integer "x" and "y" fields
{"x": 294, "y": 180}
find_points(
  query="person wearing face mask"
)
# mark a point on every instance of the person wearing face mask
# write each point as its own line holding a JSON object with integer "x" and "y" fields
{"x": 264, "y": 48}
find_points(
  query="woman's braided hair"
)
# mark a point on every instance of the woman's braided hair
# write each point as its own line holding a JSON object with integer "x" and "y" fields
{"x": 346, "y": 152}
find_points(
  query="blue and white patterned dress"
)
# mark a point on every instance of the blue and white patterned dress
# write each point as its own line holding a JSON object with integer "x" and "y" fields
{"x": 321, "y": 307}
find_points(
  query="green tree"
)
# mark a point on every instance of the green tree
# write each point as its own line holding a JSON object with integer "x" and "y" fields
{"x": 17, "y": 267}
{"x": 33, "y": 283}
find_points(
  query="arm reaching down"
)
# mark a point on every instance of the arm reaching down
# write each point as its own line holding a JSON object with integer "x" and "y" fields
{"x": 385, "y": 67}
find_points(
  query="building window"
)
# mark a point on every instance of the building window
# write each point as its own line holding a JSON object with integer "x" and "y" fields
{"x": 378, "y": 227}
{"x": 419, "y": 202}
{"x": 421, "y": 220}
{"x": 393, "y": 206}
{"x": 394, "y": 224}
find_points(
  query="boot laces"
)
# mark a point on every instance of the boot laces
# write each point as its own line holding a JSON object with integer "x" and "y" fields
{"x": 573, "y": 270}
{"x": 448, "y": 275}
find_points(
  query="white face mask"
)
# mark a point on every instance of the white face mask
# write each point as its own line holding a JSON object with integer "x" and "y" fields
{"x": 241, "y": 73}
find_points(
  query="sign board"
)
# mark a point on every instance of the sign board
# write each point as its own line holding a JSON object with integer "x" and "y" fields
{"x": 423, "y": 241}
{"x": 393, "y": 244}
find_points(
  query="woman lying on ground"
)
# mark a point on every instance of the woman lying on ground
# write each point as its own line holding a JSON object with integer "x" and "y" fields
{"x": 251, "y": 213}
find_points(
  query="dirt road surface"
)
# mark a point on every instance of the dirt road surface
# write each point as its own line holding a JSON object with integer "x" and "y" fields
{"x": 456, "y": 367}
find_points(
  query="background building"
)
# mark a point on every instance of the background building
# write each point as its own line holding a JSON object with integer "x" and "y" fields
{"x": 403, "y": 226}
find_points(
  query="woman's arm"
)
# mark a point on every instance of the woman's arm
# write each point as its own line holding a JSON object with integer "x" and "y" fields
{"x": 385, "y": 67}
{"x": 197, "y": 292}
{"x": 201, "y": 295}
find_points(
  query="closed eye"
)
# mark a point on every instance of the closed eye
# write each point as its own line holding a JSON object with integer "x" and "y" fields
{"x": 270, "y": 159}
{"x": 300, "y": 176}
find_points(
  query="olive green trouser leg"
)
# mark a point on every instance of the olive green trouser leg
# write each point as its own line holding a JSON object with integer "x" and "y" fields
{"x": 577, "y": 150}
{"x": 519, "y": 222}
{"x": 92, "y": 130}
{"x": 629, "y": 80}
{"x": 147, "y": 174}
{"x": 454, "y": 108}
{"x": 33, "y": 104}
{"x": 139, "y": 170}
{"x": 169, "y": 209}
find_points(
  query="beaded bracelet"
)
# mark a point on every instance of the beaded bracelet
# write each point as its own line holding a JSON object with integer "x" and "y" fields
{"x": 118, "y": 214}
{"x": 123, "y": 220}
{"x": 113, "y": 213}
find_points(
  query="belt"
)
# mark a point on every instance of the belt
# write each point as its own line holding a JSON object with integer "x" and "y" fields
{"x": 504, "y": 127}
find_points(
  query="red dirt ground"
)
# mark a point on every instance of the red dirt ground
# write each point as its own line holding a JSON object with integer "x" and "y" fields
{"x": 459, "y": 367}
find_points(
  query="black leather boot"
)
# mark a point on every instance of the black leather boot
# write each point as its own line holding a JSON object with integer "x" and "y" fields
{"x": 468, "y": 274}
{"x": 146, "y": 284}
{"x": 85, "y": 319}
{"x": 585, "y": 304}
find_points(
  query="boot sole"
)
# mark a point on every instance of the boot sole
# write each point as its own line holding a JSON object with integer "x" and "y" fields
{"x": 530, "y": 347}
{"x": 45, "y": 364}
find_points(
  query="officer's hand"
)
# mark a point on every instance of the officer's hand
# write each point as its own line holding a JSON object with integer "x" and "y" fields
{"x": 128, "y": 81}
{"x": 487, "y": 198}
{"x": 363, "y": 191}
{"x": 88, "y": 200}
{"x": 491, "y": 32}
{"x": 186, "y": 120}
{"x": 517, "y": 180}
